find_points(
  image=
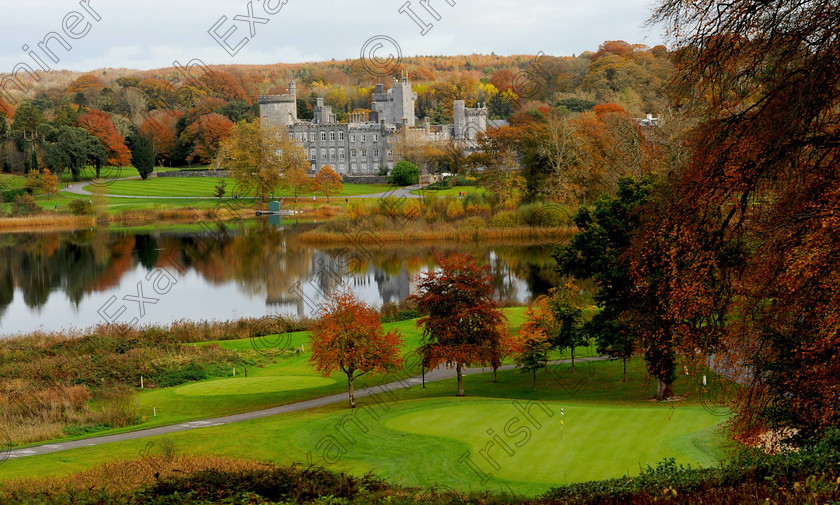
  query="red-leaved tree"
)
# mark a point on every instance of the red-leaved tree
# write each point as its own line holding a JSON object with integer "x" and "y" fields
{"x": 349, "y": 337}
{"x": 464, "y": 325}
{"x": 99, "y": 124}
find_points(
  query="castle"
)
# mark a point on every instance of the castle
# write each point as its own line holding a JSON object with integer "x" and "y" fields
{"x": 363, "y": 145}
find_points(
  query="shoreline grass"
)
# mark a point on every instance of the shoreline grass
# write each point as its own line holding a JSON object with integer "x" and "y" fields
{"x": 528, "y": 234}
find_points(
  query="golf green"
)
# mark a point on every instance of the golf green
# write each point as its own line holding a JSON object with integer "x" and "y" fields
{"x": 252, "y": 385}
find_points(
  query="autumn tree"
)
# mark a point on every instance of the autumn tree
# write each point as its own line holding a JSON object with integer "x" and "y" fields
{"x": 99, "y": 124}
{"x": 463, "y": 320}
{"x": 297, "y": 180}
{"x": 533, "y": 351}
{"x": 159, "y": 128}
{"x": 259, "y": 156}
{"x": 761, "y": 182}
{"x": 84, "y": 82}
{"x": 327, "y": 182}
{"x": 206, "y": 135}
{"x": 349, "y": 337}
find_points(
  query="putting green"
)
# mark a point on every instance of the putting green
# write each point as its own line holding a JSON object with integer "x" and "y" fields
{"x": 545, "y": 447}
{"x": 252, "y": 385}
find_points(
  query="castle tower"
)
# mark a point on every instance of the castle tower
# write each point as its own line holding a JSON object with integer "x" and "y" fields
{"x": 402, "y": 103}
{"x": 279, "y": 110}
{"x": 460, "y": 117}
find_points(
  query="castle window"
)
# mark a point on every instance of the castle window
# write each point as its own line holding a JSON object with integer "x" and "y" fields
{"x": 332, "y": 153}
{"x": 324, "y": 156}
{"x": 304, "y": 137}
{"x": 364, "y": 153}
{"x": 352, "y": 167}
{"x": 297, "y": 137}
{"x": 332, "y": 136}
{"x": 291, "y": 136}
{"x": 352, "y": 138}
{"x": 341, "y": 153}
{"x": 364, "y": 137}
{"x": 353, "y": 153}
{"x": 376, "y": 138}
{"x": 312, "y": 154}
{"x": 341, "y": 136}
{"x": 364, "y": 167}
{"x": 324, "y": 136}
{"x": 376, "y": 153}
{"x": 390, "y": 153}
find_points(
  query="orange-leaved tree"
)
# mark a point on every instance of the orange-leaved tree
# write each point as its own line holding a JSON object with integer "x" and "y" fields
{"x": 99, "y": 124}
{"x": 328, "y": 182}
{"x": 207, "y": 135}
{"x": 533, "y": 347}
{"x": 348, "y": 336}
{"x": 464, "y": 322}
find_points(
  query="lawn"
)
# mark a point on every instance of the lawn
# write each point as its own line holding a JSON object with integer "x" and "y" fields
{"x": 109, "y": 173}
{"x": 451, "y": 191}
{"x": 427, "y": 437}
{"x": 205, "y": 187}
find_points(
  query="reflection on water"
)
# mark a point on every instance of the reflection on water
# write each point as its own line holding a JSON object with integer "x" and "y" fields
{"x": 62, "y": 280}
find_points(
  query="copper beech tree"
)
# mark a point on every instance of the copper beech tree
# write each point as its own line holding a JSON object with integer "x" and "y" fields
{"x": 348, "y": 336}
{"x": 464, "y": 325}
{"x": 749, "y": 228}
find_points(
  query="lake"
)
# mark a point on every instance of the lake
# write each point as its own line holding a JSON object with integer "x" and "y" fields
{"x": 54, "y": 281}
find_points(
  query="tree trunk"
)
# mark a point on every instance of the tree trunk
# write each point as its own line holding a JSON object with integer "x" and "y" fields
{"x": 663, "y": 390}
{"x": 573, "y": 358}
{"x": 535, "y": 378}
{"x": 350, "y": 391}
{"x": 460, "y": 379}
{"x": 624, "y": 379}
{"x": 495, "y": 379}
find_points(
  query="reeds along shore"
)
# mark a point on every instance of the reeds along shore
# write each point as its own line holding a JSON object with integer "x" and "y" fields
{"x": 46, "y": 222}
{"x": 520, "y": 233}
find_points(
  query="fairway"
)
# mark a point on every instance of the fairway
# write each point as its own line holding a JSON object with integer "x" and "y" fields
{"x": 425, "y": 437}
{"x": 251, "y": 385}
{"x": 205, "y": 187}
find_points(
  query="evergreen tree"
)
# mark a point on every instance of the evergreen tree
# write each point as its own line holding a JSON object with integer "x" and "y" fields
{"x": 143, "y": 156}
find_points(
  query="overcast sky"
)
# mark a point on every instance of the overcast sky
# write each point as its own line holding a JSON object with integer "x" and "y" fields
{"x": 154, "y": 33}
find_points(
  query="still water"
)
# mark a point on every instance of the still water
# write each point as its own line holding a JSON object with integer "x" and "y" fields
{"x": 54, "y": 281}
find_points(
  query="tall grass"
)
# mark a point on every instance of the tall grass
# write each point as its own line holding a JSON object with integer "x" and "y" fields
{"x": 47, "y": 222}
{"x": 54, "y": 384}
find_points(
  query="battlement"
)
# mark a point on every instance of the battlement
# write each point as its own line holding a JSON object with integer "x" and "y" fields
{"x": 276, "y": 99}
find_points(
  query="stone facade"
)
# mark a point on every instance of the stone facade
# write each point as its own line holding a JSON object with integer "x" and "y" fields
{"x": 364, "y": 144}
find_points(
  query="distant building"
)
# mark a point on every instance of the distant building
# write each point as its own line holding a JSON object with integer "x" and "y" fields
{"x": 364, "y": 144}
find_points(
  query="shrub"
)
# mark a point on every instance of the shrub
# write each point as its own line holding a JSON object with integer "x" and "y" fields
{"x": 506, "y": 219}
{"x": 356, "y": 210}
{"x": 25, "y": 205}
{"x": 529, "y": 214}
{"x": 9, "y": 195}
{"x": 472, "y": 223}
{"x": 454, "y": 210}
{"x": 412, "y": 209}
{"x": 405, "y": 173}
{"x": 81, "y": 207}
